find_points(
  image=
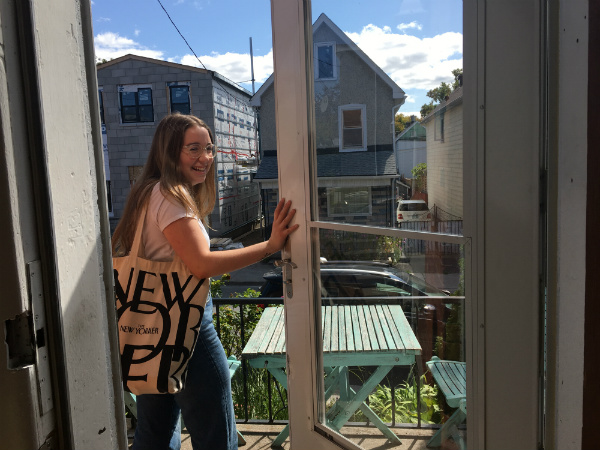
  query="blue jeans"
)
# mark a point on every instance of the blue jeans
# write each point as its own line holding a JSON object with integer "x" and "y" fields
{"x": 205, "y": 403}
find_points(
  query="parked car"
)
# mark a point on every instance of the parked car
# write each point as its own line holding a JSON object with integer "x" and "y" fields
{"x": 412, "y": 211}
{"x": 357, "y": 280}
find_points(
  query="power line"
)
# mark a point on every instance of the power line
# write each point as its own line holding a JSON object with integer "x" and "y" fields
{"x": 192, "y": 50}
{"x": 182, "y": 37}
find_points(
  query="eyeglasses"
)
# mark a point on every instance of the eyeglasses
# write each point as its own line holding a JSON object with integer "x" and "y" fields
{"x": 196, "y": 150}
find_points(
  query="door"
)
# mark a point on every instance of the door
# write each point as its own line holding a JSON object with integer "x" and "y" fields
{"x": 375, "y": 295}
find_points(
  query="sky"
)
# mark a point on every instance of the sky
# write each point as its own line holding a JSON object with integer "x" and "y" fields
{"x": 416, "y": 42}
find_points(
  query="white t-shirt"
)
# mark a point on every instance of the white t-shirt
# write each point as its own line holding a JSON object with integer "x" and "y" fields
{"x": 162, "y": 212}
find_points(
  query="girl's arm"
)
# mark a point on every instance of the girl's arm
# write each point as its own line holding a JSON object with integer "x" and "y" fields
{"x": 188, "y": 241}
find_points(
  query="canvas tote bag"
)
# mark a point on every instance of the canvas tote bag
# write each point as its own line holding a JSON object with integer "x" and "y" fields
{"x": 160, "y": 307}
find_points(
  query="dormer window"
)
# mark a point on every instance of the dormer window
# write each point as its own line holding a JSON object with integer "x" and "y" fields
{"x": 325, "y": 64}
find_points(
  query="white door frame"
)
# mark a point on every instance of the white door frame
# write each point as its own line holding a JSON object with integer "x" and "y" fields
{"x": 501, "y": 220}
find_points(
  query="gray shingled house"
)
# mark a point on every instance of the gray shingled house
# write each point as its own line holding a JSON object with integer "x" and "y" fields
{"x": 355, "y": 104}
{"x": 137, "y": 92}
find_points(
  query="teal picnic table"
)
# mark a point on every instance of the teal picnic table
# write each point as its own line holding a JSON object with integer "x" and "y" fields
{"x": 353, "y": 335}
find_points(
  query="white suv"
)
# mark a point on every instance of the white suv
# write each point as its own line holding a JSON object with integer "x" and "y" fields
{"x": 412, "y": 210}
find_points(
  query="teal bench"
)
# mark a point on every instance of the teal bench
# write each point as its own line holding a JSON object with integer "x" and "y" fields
{"x": 234, "y": 364}
{"x": 451, "y": 378}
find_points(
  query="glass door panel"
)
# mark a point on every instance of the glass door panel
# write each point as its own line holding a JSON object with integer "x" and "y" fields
{"x": 389, "y": 294}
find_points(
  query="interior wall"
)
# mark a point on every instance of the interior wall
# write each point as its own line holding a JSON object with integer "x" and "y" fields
{"x": 509, "y": 269}
{"x": 56, "y": 240}
{"x": 591, "y": 387}
{"x": 566, "y": 352}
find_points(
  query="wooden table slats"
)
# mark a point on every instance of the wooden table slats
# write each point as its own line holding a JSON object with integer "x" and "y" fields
{"x": 350, "y": 330}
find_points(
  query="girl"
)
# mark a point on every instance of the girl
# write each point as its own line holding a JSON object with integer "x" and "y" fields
{"x": 178, "y": 185}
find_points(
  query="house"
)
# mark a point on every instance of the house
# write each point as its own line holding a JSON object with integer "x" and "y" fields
{"x": 136, "y": 92}
{"x": 444, "y": 130}
{"x": 411, "y": 148}
{"x": 355, "y": 103}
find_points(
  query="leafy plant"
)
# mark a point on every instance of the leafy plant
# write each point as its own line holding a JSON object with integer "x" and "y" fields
{"x": 406, "y": 403}
{"x": 420, "y": 174}
{"x": 392, "y": 246}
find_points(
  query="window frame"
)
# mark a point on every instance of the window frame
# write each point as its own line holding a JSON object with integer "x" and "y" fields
{"x": 170, "y": 87}
{"x": 363, "y": 117}
{"x": 135, "y": 89}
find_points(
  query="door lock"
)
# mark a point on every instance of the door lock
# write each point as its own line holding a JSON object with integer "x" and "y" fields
{"x": 287, "y": 266}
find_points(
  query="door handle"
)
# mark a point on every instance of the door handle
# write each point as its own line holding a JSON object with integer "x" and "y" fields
{"x": 287, "y": 266}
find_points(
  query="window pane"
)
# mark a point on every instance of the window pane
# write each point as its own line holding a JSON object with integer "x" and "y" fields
{"x": 183, "y": 108}
{"x": 129, "y": 113}
{"x": 352, "y": 118}
{"x": 353, "y": 138}
{"x": 128, "y": 98}
{"x": 179, "y": 94}
{"x": 145, "y": 96}
{"x": 146, "y": 114}
{"x": 325, "y": 57}
{"x": 349, "y": 201}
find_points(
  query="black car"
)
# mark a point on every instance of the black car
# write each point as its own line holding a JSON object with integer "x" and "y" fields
{"x": 358, "y": 279}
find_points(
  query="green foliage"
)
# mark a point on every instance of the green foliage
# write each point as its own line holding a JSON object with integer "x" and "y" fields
{"x": 401, "y": 121}
{"x": 406, "y": 403}
{"x": 457, "y": 74}
{"x": 391, "y": 247}
{"x": 420, "y": 174}
{"x": 229, "y": 326}
{"x": 439, "y": 94}
{"x": 230, "y": 323}
{"x": 258, "y": 396}
{"x": 216, "y": 286}
{"x": 420, "y": 170}
{"x": 427, "y": 108}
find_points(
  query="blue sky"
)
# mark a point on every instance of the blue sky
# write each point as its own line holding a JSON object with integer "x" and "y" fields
{"x": 416, "y": 42}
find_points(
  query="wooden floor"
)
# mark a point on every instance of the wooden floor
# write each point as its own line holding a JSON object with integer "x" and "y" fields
{"x": 260, "y": 437}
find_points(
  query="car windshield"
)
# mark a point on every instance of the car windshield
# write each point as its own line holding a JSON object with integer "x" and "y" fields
{"x": 413, "y": 207}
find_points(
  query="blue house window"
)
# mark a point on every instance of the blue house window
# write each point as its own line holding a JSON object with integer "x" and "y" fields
{"x": 180, "y": 99}
{"x": 136, "y": 105}
{"x": 325, "y": 68}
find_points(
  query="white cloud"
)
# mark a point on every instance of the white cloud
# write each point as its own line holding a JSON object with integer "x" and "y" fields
{"x": 235, "y": 66}
{"x": 137, "y": 32}
{"x": 407, "y": 26}
{"x": 111, "y": 45}
{"x": 412, "y": 62}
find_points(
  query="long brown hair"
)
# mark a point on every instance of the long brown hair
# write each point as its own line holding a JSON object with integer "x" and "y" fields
{"x": 162, "y": 167}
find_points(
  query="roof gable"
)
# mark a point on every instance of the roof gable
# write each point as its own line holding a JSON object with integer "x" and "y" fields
{"x": 323, "y": 20}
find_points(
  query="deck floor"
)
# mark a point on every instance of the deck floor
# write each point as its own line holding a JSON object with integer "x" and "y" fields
{"x": 260, "y": 437}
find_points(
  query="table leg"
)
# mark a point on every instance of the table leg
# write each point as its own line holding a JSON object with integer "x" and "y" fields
{"x": 370, "y": 414}
{"x": 281, "y": 377}
{"x": 339, "y": 414}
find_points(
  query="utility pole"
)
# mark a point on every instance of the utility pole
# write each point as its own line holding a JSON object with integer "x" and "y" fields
{"x": 252, "y": 65}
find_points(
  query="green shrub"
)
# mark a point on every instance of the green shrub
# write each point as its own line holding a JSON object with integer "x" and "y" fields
{"x": 406, "y": 403}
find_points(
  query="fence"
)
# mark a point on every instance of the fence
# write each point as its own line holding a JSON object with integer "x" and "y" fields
{"x": 441, "y": 222}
